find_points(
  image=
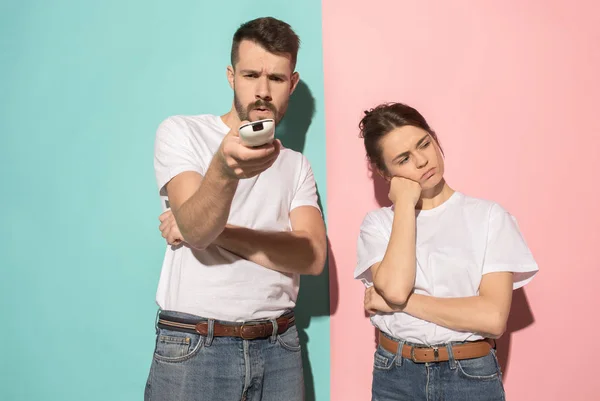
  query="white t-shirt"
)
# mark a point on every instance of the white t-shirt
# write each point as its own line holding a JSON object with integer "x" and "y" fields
{"x": 215, "y": 283}
{"x": 456, "y": 244}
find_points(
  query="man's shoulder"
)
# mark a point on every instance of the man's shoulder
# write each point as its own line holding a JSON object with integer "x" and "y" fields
{"x": 293, "y": 158}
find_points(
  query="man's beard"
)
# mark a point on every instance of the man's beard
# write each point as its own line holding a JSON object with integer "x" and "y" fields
{"x": 244, "y": 112}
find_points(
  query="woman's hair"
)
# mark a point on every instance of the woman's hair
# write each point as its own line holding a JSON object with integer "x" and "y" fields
{"x": 381, "y": 120}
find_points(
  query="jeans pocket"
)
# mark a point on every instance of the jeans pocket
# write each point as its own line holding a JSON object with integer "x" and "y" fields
{"x": 383, "y": 360}
{"x": 290, "y": 339}
{"x": 483, "y": 368}
{"x": 176, "y": 346}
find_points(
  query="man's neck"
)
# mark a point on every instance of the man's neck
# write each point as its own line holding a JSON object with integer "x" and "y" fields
{"x": 231, "y": 118}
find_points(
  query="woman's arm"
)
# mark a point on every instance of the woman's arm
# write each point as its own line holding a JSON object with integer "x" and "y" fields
{"x": 485, "y": 313}
{"x": 394, "y": 276}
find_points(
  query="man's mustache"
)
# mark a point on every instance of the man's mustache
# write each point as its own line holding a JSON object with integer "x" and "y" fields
{"x": 261, "y": 104}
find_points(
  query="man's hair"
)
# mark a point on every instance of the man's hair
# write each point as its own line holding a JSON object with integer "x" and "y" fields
{"x": 274, "y": 35}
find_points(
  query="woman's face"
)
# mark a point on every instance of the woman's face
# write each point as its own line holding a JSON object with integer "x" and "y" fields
{"x": 410, "y": 152}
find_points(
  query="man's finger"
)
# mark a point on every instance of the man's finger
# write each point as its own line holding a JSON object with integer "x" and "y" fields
{"x": 244, "y": 154}
{"x": 236, "y": 131}
{"x": 163, "y": 225}
{"x": 164, "y": 215}
{"x": 173, "y": 239}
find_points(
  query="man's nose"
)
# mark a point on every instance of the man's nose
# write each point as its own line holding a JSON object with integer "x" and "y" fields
{"x": 263, "y": 90}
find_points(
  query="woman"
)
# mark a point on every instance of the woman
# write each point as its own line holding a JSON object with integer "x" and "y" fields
{"x": 439, "y": 266}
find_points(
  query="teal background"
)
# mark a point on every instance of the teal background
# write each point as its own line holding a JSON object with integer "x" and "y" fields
{"x": 83, "y": 87}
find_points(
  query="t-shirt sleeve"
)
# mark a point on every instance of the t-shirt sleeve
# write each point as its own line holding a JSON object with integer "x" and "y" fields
{"x": 506, "y": 249}
{"x": 306, "y": 189}
{"x": 173, "y": 152}
{"x": 371, "y": 247}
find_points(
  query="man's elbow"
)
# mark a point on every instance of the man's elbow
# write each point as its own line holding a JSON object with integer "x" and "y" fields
{"x": 318, "y": 264}
{"x": 198, "y": 238}
{"x": 198, "y": 242}
{"x": 317, "y": 256}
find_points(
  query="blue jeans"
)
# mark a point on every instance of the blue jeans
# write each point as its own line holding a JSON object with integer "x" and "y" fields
{"x": 396, "y": 378}
{"x": 190, "y": 366}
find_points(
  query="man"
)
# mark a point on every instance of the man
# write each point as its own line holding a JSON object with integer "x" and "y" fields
{"x": 244, "y": 224}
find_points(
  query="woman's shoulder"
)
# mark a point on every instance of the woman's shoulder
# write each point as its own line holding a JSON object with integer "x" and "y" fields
{"x": 382, "y": 216}
{"x": 481, "y": 205}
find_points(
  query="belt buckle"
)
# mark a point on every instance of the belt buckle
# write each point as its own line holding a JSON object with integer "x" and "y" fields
{"x": 436, "y": 354}
{"x": 254, "y": 336}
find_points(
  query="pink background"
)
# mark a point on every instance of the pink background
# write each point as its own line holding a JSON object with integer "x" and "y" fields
{"x": 513, "y": 90}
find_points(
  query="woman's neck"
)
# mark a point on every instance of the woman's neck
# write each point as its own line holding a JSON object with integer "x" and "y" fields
{"x": 435, "y": 196}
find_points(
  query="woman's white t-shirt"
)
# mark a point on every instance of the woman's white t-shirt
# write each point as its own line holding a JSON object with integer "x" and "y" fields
{"x": 456, "y": 244}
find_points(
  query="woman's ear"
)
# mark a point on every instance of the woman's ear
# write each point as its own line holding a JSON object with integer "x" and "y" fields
{"x": 384, "y": 175}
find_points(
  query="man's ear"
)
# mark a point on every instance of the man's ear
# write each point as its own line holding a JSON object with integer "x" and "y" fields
{"x": 295, "y": 80}
{"x": 231, "y": 76}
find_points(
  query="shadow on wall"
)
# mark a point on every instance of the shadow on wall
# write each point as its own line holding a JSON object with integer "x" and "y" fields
{"x": 520, "y": 317}
{"x": 520, "y": 312}
{"x": 380, "y": 188}
{"x": 313, "y": 298}
{"x": 293, "y": 128}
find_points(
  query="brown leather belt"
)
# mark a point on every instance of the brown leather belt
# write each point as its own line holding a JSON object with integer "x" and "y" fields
{"x": 246, "y": 331}
{"x": 417, "y": 354}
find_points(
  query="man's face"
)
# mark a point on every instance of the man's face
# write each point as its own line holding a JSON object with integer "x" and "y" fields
{"x": 262, "y": 83}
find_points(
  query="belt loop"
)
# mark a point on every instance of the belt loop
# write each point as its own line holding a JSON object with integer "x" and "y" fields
{"x": 451, "y": 359}
{"x": 156, "y": 320}
{"x": 399, "y": 357}
{"x": 275, "y": 330}
{"x": 211, "y": 332}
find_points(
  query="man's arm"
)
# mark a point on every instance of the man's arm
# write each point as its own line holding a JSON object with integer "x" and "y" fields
{"x": 485, "y": 313}
{"x": 201, "y": 205}
{"x": 302, "y": 250}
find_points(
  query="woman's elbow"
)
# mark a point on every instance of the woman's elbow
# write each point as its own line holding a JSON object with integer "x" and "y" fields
{"x": 497, "y": 325}
{"x": 396, "y": 295}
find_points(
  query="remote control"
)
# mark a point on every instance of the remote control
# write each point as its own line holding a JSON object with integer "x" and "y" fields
{"x": 258, "y": 133}
{"x": 164, "y": 203}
